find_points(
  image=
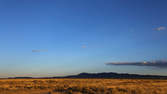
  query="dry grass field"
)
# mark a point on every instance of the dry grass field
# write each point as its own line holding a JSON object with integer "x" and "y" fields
{"x": 82, "y": 86}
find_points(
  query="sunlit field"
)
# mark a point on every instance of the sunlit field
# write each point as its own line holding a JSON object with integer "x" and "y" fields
{"x": 82, "y": 86}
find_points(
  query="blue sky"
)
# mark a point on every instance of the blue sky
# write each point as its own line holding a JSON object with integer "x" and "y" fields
{"x": 62, "y": 37}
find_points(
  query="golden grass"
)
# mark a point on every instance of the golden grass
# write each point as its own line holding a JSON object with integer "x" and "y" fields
{"x": 82, "y": 86}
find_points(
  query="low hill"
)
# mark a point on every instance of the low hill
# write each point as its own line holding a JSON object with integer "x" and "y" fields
{"x": 102, "y": 75}
{"x": 115, "y": 75}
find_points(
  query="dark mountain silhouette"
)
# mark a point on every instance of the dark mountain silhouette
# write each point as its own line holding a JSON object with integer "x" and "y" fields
{"x": 20, "y": 77}
{"x": 103, "y": 75}
{"x": 114, "y": 75}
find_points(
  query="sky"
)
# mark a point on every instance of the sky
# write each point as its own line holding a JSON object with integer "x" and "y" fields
{"x": 64, "y": 37}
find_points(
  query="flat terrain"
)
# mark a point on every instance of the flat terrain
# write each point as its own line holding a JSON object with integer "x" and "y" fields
{"x": 82, "y": 86}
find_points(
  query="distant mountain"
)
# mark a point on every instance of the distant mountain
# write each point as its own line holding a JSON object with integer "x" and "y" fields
{"x": 103, "y": 75}
{"x": 20, "y": 77}
{"x": 115, "y": 75}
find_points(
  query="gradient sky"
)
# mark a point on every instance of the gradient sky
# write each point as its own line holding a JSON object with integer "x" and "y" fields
{"x": 62, "y": 37}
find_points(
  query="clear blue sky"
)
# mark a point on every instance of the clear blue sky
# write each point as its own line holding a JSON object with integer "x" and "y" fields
{"x": 72, "y": 36}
